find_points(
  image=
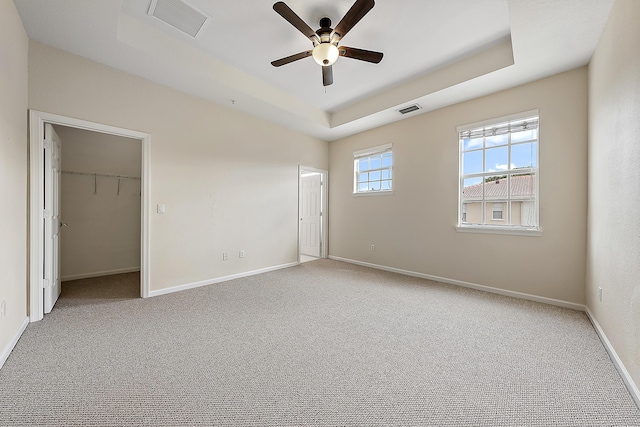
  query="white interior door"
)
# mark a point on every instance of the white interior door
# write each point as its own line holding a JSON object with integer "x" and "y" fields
{"x": 310, "y": 214}
{"x": 51, "y": 217}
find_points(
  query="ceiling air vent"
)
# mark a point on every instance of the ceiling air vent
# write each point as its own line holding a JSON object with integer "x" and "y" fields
{"x": 179, "y": 15}
{"x": 409, "y": 109}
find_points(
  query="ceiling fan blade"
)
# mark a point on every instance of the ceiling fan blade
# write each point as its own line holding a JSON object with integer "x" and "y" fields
{"x": 285, "y": 11}
{"x": 355, "y": 14}
{"x": 283, "y": 61}
{"x": 327, "y": 75}
{"x": 361, "y": 54}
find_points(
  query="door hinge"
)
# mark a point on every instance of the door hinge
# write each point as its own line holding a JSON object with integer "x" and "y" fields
{"x": 46, "y": 213}
{"x": 45, "y": 283}
{"x": 46, "y": 143}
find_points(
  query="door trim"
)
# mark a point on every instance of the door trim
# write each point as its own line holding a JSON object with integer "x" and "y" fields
{"x": 324, "y": 205}
{"x": 37, "y": 119}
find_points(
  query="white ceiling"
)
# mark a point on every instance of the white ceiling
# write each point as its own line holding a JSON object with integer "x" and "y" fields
{"x": 436, "y": 52}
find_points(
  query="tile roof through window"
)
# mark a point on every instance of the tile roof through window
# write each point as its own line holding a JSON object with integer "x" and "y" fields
{"x": 522, "y": 187}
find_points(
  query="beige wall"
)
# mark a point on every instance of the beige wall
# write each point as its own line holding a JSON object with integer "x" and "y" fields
{"x": 103, "y": 232}
{"x": 413, "y": 228}
{"x": 13, "y": 171}
{"x": 229, "y": 181}
{"x": 613, "y": 257}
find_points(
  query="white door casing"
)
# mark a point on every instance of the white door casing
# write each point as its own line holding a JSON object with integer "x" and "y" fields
{"x": 51, "y": 217}
{"x": 310, "y": 214}
{"x": 37, "y": 122}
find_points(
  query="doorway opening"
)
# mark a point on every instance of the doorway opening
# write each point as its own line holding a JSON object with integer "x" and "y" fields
{"x": 44, "y": 185}
{"x": 312, "y": 213}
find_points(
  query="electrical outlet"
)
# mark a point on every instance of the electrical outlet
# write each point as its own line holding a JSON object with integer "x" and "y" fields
{"x": 373, "y": 248}
{"x": 600, "y": 294}
{"x": 225, "y": 256}
{"x": 3, "y": 309}
{"x": 241, "y": 254}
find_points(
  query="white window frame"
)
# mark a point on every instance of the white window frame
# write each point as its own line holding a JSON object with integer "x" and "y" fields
{"x": 368, "y": 153}
{"x": 486, "y": 227}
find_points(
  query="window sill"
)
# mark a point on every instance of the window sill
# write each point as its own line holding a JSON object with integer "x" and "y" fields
{"x": 374, "y": 193}
{"x": 484, "y": 229}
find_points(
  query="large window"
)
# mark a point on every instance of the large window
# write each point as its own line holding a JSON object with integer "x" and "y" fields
{"x": 373, "y": 170}
{"x": 499, "y": 173}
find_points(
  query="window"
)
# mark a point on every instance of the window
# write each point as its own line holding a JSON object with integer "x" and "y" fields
{"x": 497, "y": 211}
{"x": 373, "y": 170}
{"x": 499, "y": 173}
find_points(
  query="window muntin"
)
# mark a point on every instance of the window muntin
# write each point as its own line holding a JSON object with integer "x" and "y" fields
{"x": 499, "y": 173}
{"x": 373, "y": 170}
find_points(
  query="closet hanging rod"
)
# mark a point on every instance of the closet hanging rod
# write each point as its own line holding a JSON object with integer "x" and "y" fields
{"x": 101, "y": 175}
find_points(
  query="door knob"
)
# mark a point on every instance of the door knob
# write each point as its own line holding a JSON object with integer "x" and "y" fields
{"x": 63, "y": 224}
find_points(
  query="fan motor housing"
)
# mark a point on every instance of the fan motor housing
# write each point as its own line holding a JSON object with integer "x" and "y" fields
{"x": 325, "y": 30}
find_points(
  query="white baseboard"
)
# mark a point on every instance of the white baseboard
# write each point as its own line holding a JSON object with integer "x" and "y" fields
{"x": 505, "y": 292}
{"x": 626, "y": 377}
{"x": 99, "y": 274}
{"x": 6, "y": 351}
{"x": 219, "y": 280}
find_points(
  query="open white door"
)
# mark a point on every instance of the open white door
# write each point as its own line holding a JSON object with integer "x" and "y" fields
{"x": 51, "y": 217}
{"x": 310, "y": 214}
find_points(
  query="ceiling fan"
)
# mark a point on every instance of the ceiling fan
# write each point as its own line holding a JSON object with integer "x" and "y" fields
{"x": 326, "y": 39}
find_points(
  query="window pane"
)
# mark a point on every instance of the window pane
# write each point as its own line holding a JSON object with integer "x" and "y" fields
{"x": 526, "y": 135}
{"x": 523, "y": 187}
{"x": 496, "y": 186}
{"x": 471, "y": 144}
{"x": 363, "y": 187}
{"x": 375, "y": 162}
{"x": 497, "y": 159}
{"x": 524, "y": 155}
{"x": 363, "y": 164}
{"x": 523, "y": 213}
{"x": 472, "y": 162}
{"x": 492, "y": 141}
{"x": 386, "y": 160}
{"x": 374, "y": 176}
{"x": 363, "y": 177}
{"x": 497, "y": 213}
{"x": 473, "y": 214}
{"x": 386, "y": 185}
{"x": 386, "y": 174}
{"x": 472, "y": 189}
{"x": 374, "y": 186}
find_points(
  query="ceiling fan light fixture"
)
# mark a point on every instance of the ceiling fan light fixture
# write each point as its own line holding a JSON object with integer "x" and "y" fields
{"x": 326, "y": 54}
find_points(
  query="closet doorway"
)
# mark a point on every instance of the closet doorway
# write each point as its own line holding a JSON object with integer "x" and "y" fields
{"x": 100, "y": 203}
{"x": 101, "y": 179}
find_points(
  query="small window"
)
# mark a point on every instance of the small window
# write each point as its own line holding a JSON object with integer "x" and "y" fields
{"x": 497, "y": 211}
{"x": 373, "y": 170}
{"x": 499, "y": 173}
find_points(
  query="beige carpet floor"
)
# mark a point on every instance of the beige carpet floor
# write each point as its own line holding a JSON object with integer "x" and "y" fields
{"x": 321, "y": 344}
